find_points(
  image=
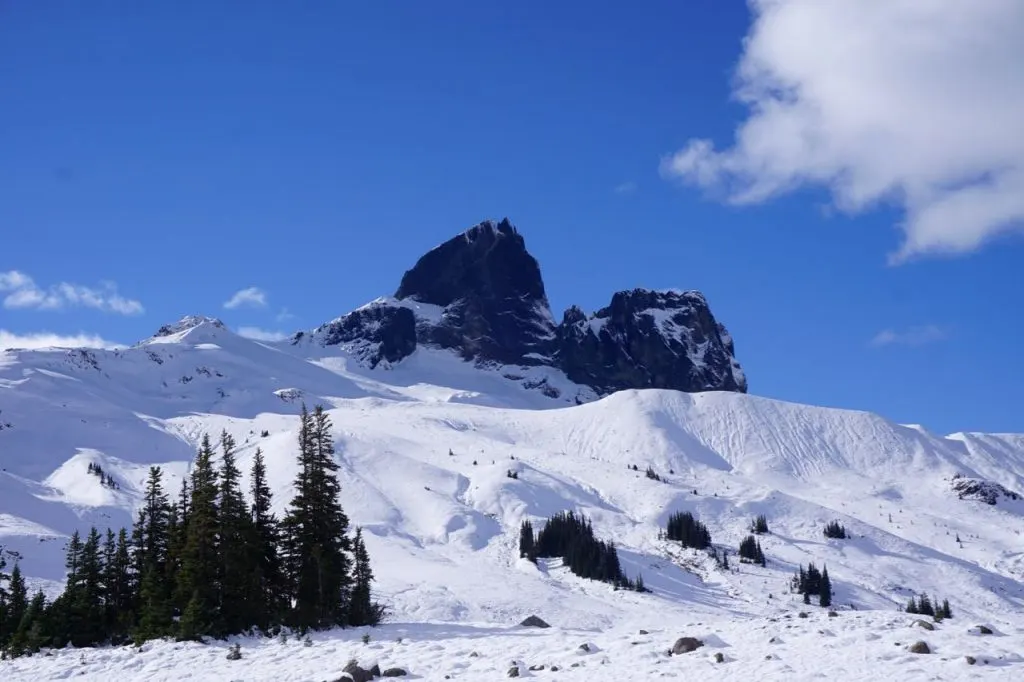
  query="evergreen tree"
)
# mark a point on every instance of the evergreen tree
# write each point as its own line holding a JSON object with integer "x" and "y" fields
{"x": 835, "y": 530}
{"x": 316, "y": 527}
{"x": 198, "y": 580}
{"x": 152, "y": 555}
{"x": 362, "y": 610}
{"x": 236, "y": 546}
{"x": 526, "y": 541}
{"x": 31, "y": 631}
{"x": 825, "y": 589}
{"x": 759, "y": 525}
{"x": 267, "y": 591}
{"x": 16, "y": 603}
{"x": 87, "y": 604}
{"x": 750, "y": 551}
{"x": 118, "y": 607}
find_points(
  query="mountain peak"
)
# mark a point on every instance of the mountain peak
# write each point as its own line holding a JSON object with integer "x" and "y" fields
{"x": 189, "y": 325}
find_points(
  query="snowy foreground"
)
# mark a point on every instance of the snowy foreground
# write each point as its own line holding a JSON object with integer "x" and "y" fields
{"x": 853, "y": 646}
{"x": 425, "y": 450}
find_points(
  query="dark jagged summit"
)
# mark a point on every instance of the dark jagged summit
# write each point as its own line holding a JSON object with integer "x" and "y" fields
{"x": 481, "y": 294}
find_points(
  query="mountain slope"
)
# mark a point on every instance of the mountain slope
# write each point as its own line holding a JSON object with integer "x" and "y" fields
{"x": 425, "y": 448}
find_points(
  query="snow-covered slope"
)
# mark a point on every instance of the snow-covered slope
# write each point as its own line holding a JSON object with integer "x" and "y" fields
{"x": 442, "y": 528}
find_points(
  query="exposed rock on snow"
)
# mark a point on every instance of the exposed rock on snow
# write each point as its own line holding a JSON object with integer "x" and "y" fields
{"x": 534, "y": 622}
{"x": 988, "y": 492}
{"x": 685, "y": 645}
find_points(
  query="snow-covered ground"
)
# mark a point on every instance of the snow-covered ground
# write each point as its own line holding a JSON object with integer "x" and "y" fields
{"x": 442, "y": 528}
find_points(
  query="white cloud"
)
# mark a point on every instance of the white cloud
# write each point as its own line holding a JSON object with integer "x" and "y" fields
{"x": 50, "y": 340}
{"x": 23, "y": 292}
{"x": 913, "y": 336}
{"x": 257, "y": 334}
{"x": 906, "y": 101}
{"x": 253, "y": 296}
{"x": 625, "y": 188}
{"x": 284, "y": 315}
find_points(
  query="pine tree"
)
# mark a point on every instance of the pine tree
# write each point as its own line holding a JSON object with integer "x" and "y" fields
{"x": 362, "y": 609}
{"x": 87, "y": 604}
{"x": 316, "y": 531}
{"x": 236, "y": 546}
{"x": 31, "y": 631}
{"x": 152, "y": 541}
{"x": 267, "y": 586}
{"x": 825, "y": 589}
{"x": 117, "y": 583}
{"x": 17, "y": 601}
{"x": 5, "y": 625}
{"x": 527, "y": 539}
{"x": 683, "y": 527}
{"x": 198, "y": 581}
{"x": 759, "y": 525}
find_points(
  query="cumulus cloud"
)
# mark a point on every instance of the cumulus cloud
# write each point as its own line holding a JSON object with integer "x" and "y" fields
{"x": 253, "y": 297}
{"x": 913, "y": 336}
{"x": 21, "y": 291}
{"x": 905, "y": 101}
{"x": 50, "y": 340}
{"x": 257, "y": 334}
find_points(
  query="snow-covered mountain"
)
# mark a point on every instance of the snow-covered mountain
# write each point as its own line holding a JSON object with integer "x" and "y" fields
{"x": 426, "y": 437}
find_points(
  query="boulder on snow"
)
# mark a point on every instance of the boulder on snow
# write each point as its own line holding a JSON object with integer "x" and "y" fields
{"x": 685, "y": 645}
{"x": 983, "y": 629}
{"x": 922, "y": 624}
{"x": 919, "y": 647}
{"x": 513, "y": 671}
{"x": 357, "y": 672}
{"x": 534, "y": 622}
{"x": 394, "y": 672}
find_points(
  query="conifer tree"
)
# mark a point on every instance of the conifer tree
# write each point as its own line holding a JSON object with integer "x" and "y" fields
{"x": 198, "y": 581}
{"x": 267, "y": 586}
{"x": 527, "y": 540}
{"x": 118, "y": 608}
{"x": 362, "y": 609}
{"x": 316, "y": 531}
{"x": 825, "y": 589}
{"x": 87, "y": 605}
{"x": 31, "y": 631}
{"x": 152, "y": 543}
{"x": 17, "y": 602}
{"x": 236, "y": 545}
{"x": 5, "y": 625}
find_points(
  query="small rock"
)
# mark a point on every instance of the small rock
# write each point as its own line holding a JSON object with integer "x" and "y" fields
{"x": 585, "y": 648}
{"x": 719, "y": 657}
{"x": 575, "y": 665}
{"x": 685, "y": 645}
{"x": 394, "y": 672}
{"x": 474, "y": 654}
{"x": 534, "y": 622}
{"x": 919, "y": 647}
{"x": 375, "y": 670}
{"x": 644, "y": 632}
{"x": 833, "y": 614}
{"x": 923, "y": 624}
{"x": 984, "y": 630}
{"x": 802, "y": 614}
{"x": 554, "y": 668}
{"x": 513, "y": 671}
{"x": 971, "y": 660}
{"x": 538, "y": 666}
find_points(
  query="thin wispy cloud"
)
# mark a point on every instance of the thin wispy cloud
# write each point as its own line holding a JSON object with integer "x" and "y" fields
{"x": 252, "y": 297}
{"x": 257, "y": 334}
{"x": 50, "y": 340}
{"x": 21, "y": 292}
{"x": 912, "y": 336}
{"x": 912, "y": 103}
{"x": 284, "y": 315}
{"x": 625, "y": 188}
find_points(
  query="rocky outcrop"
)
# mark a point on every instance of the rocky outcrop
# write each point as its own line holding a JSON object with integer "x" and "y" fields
{"x": 649, "y": 339}
{"x": 481, "y": 295}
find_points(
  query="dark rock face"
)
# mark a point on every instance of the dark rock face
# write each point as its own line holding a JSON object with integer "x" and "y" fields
{"x": 481, "y": 294}
{"x": 381, "y": 332}
{"x": 649, "y": 339}
{"x": 988, "y": 492}
{"x": 492, "y": 293}
{"x": 534, "y": 622}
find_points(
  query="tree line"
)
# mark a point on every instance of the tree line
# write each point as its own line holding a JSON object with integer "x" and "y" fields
{"x": 210, "y": 564}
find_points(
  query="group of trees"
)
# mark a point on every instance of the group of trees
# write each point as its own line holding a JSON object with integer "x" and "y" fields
{"x": 835, "y": 530}
{"x": 812, "y": 582}
{"x": 106, "y": 480}
{"x": 571, "y": 538}
{"x": 684, "y": 528}
{"x": 929, "y": 607}
{"x": 212, "y": 563}
{"x": 750, "y": 551}
{"x": 759, "y": 526}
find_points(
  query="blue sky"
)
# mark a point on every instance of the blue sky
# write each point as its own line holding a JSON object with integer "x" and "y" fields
{"x": 157, "y": 160}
